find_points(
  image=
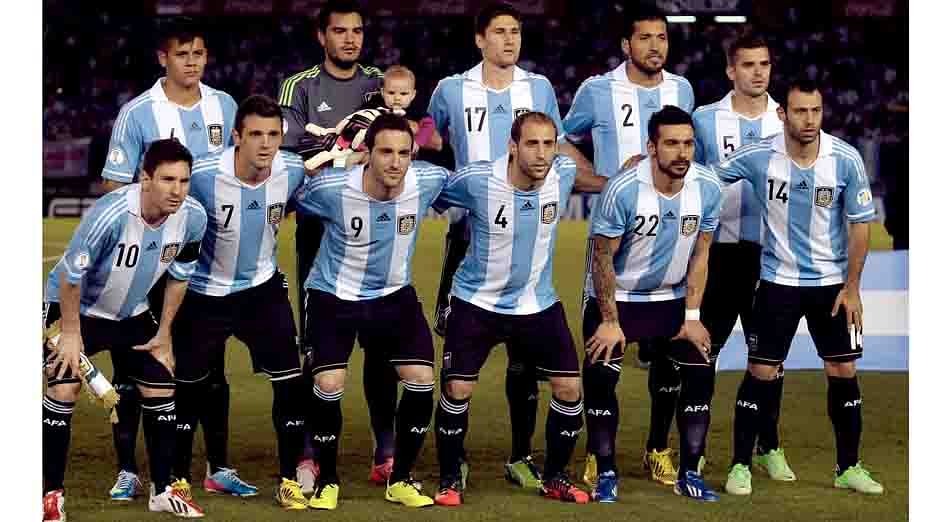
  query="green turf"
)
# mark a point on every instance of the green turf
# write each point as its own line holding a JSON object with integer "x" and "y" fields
{"x": 806, "y": 436}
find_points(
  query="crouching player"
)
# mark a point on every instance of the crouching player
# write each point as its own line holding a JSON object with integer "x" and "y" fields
{"x": 97, "y": 293}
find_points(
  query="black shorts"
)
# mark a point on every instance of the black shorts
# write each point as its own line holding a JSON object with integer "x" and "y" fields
{"x": 393, "y": 326}
{"x": 542, "y": 338}
{"x": 653, "y": 323}
{"x": 777, "y": 312}
{"x": 734, "y": 270}
{"x": 118, "y": 337}
{"x": 261, "y": 317}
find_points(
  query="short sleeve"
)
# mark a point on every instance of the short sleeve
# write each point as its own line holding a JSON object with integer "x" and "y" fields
{"x": 439, "y": 108}
{"x": 184, "y": 264}
{"x": 457, "y": 191}
{"x": 581, "y": 117}
{"x": 859, "y": 205}
{"x": 610, "y": 216}
{"x": 126, "y": 148}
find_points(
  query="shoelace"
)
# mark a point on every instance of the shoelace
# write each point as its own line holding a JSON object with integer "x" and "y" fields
{"x": 232, "y": 475}
{"x": 125, "y": 480}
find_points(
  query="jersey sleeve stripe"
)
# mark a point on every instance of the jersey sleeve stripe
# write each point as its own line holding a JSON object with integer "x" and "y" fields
{"x": 286, "y": 94}
{"x": 119, "y": 176}
{"x": 104, "y": 223}
{"x": 122, "y": 119}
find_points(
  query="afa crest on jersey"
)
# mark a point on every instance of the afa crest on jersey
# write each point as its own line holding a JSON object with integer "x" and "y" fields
{"x": 406, "y": 224}
{"x": 275, "y": 213}
{"x": 824, "y": 197}
{"x": 170, "y": 252}
{"x": 689, "y": 225}
{"x": 548, "y": 213}
{"x": 215, "y": 135}
{"x": 518, "y": 112}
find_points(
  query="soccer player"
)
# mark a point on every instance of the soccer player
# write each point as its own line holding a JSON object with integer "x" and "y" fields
{"x": 97, "y": 295}
{"x": 201, "y": 118}
{"x": 616, "y": 107}
{"x": 817, "y": 205}
{"x": 360, "y": 282}
{"x": 323, "y": 95}
{"x": 651, "y": 231}
{"x": 476, "y": 110}
{"x": 503, "y": 292}
{"x": 237, "y": 289}
{"x": 745, "y": 115}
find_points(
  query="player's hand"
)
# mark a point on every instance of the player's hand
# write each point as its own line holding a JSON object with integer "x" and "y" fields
{"x": 697, "y": 335}
{"x": 849, "y": 299}
{"x": 65, "y": 356}
{"x": 160, "y": 347}
{"x": 603, "y": 342}
{"x": 631, "y": 162}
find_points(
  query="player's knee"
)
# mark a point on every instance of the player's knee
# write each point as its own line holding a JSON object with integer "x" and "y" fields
{"x": 845, "y": 370}
{"x": 566, "y": 388}
{"x": 153, "y": 393}
{"x": 331, "y": 381}
{"x": 416, "y": 373}
{"x": 763, "y": 372}
{"x": 459, "y": 390}
{"x": 66, "y": 392}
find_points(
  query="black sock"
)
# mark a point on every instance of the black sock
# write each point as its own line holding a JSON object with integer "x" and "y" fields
{"x": 768, "y": 438}
{"x": 564, "y": 422}
{"x": 309, "y": 449}
{"x": 128, "y": 423}
{"x": 693, "y": 414}
{"x": 520, "y": 387}
{"x": 214, "y": 407}
{"x": 56, "y": 436}
{"x": 326, "y": 428}
{"x": 189, "y": 396}
{"x": 451, "y": 425}
{"x": 663, "y": 384}
{"x": 844, "y": 405}
{"x": 601, "y": 406}
{"x": 159, "y": 431}
{"x": 380, "y": 392}
{"x": 456, "y": 248}
{"x": 289, "y": 422}
{"x": 413, "y": 418}
{"x": 749, "y": 405}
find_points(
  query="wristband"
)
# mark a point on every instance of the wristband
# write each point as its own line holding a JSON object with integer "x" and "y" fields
{"x": 692, "y": 314}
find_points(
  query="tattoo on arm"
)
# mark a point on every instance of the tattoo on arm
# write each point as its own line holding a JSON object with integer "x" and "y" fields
{"x": 603, "y": 276}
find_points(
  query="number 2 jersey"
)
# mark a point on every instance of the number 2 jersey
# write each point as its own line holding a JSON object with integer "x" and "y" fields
{"x": 117, "y": 257}
{"x": 658, "y": 233}
{"x": 806, "y": 209}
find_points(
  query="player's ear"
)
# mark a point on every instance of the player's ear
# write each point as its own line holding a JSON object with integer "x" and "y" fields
{"x": 730, "y": 71}
{"x": 161, "y": 57}
{"x": 479, "y": 41}
{"x": 781, "y": 114}
{"x": 321, "y": 37}
{"x": 626, "y": 47}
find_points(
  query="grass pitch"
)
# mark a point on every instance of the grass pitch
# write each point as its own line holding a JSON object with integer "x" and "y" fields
{"x": 805, "y": 432}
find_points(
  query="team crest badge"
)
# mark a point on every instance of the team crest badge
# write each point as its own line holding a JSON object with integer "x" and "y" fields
{"x": 215, "y": 135}
{"x": 689, "y": 225}
{"x": 548, "y": 213}
{"x": 518, "y": 112}
{"x": 406, "y": 224}
{"x": 824, "y": 197}
{"x": 864, "y": 197}
{"x": 275, "y": 213}
{"x": 116, "y": 156}
{"x": 170, "y": 252}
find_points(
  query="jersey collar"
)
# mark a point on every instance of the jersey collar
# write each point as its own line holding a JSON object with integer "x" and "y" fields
{"x": 645, "y": 176}
{"x": 725, "y": 104}
{"x": 475, "y": 74}
{"x": 826, "y": 144}
{"x": 620, "y": 74}
{"x": 157, "y": 93}
{"x": 355, "y": 180}
{"x": 226, "y": 165}
{"x": 133, "y": 195}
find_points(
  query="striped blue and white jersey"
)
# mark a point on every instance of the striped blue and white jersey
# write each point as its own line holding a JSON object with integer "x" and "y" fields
{"x": 658, "y": 233}
{"x": 117, "y": 257}
{"x": 240, "y": 246}
{"x": 806, "y": 210}
{"x": 509, "y": 265}
{"x": 478, "y": 118}
{"x": 616, "y": 112}
{"x": 204, "y": 128}
{"x": 368, "y": 245}
{"x": 719, "y": 132}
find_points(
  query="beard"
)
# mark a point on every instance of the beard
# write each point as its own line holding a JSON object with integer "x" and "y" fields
{"x": 671, "y": 170}
{"x": 343, "y": 64}
{"x": 646, "y": 69}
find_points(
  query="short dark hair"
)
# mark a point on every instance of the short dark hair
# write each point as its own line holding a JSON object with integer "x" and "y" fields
{"x": 802, "y": 83}
{"x": 257, "y": 104}
{"x": 168, "y": 150}
{"x": 747, "y": 40}
{"x": 491, "y": 11}
{"x": 336, "y": 6}
{"x": 386, "y": 121}
{"x": 533, "y": 116}
{"x": 182, "y": 29}
{"x": 669, "y": 115}
{"x": 644, "y": 12}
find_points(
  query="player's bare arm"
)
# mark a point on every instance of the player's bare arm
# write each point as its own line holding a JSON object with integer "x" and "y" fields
{"x": 609, "y": 333}
{"x": 160, "y": 346}
{"x": 588, "y": 182}
{"x": 65, "y": 357}
{"x": 693, "y": 329}
{"x": 848, "y": 297}
{"x": 583, "y": 165}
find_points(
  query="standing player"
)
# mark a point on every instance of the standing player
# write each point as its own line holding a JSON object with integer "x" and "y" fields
{"x": 476, "y": 110}
{"x": 503, "y": 292}
{"x": 745, "y": 115}
{"x": 201, "y": 118}
{"x": 237, "y": 289}
{"x": 323, "y": 95}
{"x": 817, "y": 205}
{"x": 97, "y": 296}
{"x": 651, "y": 232}
{"x": 361, "y": 282}
{"x": 616, "y": 107}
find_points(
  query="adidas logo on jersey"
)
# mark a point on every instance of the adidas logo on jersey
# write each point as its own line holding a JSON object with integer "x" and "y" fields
{"x": 152, "y": 246}
{"x": 253, "y": 205}
{"x": 323, "y": 107}
{"x": 803, "y": 185}
{"x": 750, "y": 134}
{"x": 500, "y": 109}
{"x": 669, "y": 215}
{"x": 195, "y": 126}
{"x": 527, "y": 205}
{"x": 651, "y": 104}
{"x": 383, "y": 218}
